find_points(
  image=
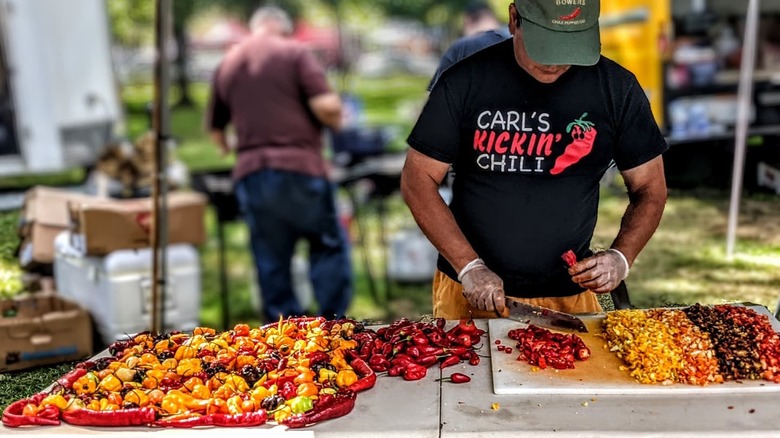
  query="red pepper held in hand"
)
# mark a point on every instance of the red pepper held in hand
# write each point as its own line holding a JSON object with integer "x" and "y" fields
{"x": 570, "y": 258}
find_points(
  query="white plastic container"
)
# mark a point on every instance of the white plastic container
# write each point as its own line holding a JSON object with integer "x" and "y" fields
{"x": 116, "y": 289}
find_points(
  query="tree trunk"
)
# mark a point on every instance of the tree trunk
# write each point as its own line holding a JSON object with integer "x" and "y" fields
{"x": 182, "y": 76}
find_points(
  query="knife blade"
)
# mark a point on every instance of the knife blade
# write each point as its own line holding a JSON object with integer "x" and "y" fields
{"x": 542, "y": 316}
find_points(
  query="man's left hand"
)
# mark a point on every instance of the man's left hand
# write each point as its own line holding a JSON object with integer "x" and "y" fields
{"x": 601, "y": 273}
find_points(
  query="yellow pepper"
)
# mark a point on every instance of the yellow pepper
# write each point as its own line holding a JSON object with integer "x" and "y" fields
{"x": 185, "y": 352}
{"x": 307, "y": 389}
{"x": 306, "y": 375}
{"x": 138, "y": 397}
{"x": 346, "y": 378}
{"x": 189, "y": 367}
{"x": 201, "y": 391}
{"x": 326, "y": 375}
{"x": 234, "y": 405}
{"x": 237, "y": 383}
{"x": 203, "y": 331}
{"x": 282, "y": 414}
{"x": 55, "y": 399}
{"x": 259, "y": 394}
{"x": 86, "y": 384}
{"x": 149, "y": 359}
{"x": 163, "y": 345}
{"x": 169, "y": 364}
{"x": 111, "y": 383}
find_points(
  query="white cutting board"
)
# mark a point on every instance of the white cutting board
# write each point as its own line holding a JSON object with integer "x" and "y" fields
{"x": 600, "y": 374}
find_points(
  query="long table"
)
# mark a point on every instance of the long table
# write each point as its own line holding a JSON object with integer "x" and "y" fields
{"x": 431, "y": 408}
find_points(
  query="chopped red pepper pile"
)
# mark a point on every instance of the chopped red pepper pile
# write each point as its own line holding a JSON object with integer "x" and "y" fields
{"x": 296, "y": 372}
{"x": 541, "y": 347}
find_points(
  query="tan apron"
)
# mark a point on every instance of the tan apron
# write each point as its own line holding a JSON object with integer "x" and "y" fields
{"x": 449, "y": 302}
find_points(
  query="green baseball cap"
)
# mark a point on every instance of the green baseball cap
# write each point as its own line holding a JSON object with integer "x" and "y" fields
{"x": 561, "y": 32}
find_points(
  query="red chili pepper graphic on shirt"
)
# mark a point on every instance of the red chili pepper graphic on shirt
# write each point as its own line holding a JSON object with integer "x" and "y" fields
{"x": 571, "y": 16}
{"x": 583, "y": 136}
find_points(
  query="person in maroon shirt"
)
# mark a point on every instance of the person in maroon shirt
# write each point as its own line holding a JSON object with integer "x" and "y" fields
{"x": 276, "y": 96}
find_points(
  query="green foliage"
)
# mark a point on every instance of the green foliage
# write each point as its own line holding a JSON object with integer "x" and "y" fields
{"x": 132, "y": 21}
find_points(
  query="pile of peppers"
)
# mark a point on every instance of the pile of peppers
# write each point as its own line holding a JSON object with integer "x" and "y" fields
{"x": 407, "y": 349}
{"x": 296, "y": 372}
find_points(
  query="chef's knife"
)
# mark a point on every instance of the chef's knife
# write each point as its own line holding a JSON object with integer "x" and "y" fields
{"x": 542, "y": 316}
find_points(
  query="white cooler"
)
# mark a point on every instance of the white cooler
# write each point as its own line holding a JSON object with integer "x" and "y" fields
{"x": 116, "y": 289}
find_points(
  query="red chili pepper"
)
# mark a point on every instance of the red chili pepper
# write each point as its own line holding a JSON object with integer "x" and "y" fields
{"x": 427, "y": 361}
{"x": 459, "y": 378}
{"x": 419, "y": 339}
{"x": 124, "y": 417}
{"x": 583, "y": 137}
{"x": 415, "y": 372}
{"x": 13, "y": 417}
{"x": 396, "y": 370}
{"x": 450, "y": 361}
{"x": 435, "y": 338}
{"x": 468, "y": 326}
{"x": 367, "y": 376}
{"x": 459, "y": 351}
{"x": 570, "y": 258}
{"x": 427, "y": 350}
{"x": 379, "y": 363}
{"x": 317, "y": 357}
{"x": 326, "y": 408}
{"x": 474, "y": 359}
{"x": 440, "y": 322}
{"x": 247, "y": 419}
{"x": 68, "y": 379}
{"x": 288, "y": 390}
{"x": 413, "y": 351}
{"x": 464, "y": 339}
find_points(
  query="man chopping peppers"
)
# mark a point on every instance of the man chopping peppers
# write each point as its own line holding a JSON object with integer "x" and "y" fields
{"x": 530, "y": 126}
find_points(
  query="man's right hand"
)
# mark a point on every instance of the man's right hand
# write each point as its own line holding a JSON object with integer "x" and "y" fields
{"x": 484, "y": 289}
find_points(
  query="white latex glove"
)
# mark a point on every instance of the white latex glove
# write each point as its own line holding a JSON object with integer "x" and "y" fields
{"x": 602, "y": 272}
{"x": 482, "y": 287}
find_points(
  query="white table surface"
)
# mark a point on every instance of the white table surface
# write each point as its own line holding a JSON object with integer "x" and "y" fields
{"x": 427, "y": 408}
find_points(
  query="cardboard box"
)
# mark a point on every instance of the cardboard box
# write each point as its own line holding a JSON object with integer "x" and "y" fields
{"x": 45, "y": 215}
{"x": 45, "y": 329}
{"x": 103, "y": 226}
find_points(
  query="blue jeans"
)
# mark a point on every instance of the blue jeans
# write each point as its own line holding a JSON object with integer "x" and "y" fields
{"x": 280, "y": 208}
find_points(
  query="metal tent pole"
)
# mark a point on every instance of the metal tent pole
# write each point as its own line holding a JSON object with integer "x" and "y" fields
{"x": 161, "y": 128}
{"x": 745, "y": 93}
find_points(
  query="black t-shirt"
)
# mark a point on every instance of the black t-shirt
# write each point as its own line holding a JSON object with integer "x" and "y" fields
{"x": 528, "y": 158}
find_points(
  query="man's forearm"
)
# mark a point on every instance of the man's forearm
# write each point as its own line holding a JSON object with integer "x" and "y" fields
{"x": 639, "y": 222}
{"x": 435, "y": 219}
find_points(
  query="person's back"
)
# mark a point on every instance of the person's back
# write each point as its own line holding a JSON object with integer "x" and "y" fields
{"x": 266, "y": 82}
